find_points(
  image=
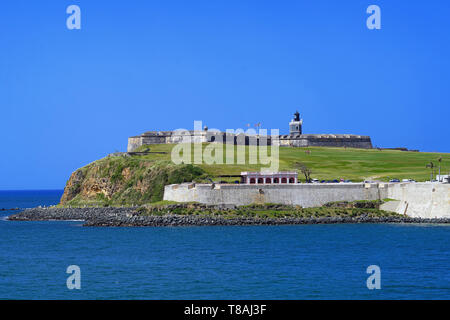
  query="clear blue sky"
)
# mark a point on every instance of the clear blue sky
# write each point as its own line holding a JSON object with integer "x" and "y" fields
{"x": 69, "y": 97}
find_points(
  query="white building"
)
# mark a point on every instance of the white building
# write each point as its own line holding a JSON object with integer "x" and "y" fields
{"x": 284, "y": 177}
{"x": 443, "y": 178}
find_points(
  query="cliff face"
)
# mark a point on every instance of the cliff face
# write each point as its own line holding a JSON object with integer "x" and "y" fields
{"x": 124, "y": 181}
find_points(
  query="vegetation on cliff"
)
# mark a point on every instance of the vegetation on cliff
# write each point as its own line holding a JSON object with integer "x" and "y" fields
{"x": 115, "y": 181}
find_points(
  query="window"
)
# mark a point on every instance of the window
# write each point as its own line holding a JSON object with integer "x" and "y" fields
{"x": 276, "y": 180}
{"x": 260, "y": 181}
{"x": 268, "y": 181}
{"x": 291, "y": 180}
{"x": 252, "y": 180}
{"x": 283, "y": 180}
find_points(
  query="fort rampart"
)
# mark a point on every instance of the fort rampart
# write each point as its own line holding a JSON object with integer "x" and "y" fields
{"x": 294, "y": 140}
{"x": 305, "y": 195}
{"x": 426, "y": 200}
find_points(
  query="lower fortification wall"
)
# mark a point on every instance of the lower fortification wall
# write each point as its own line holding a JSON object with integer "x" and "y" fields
{"x": 305, "y": 195}
{"x": 424, "y": 200}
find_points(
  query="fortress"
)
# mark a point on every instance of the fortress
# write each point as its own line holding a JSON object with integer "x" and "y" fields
{"x": 295, "y": 138}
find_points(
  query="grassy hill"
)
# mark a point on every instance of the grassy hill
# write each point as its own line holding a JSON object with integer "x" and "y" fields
{"x": 140, "y": 178}
{"x": 333, "y": 163}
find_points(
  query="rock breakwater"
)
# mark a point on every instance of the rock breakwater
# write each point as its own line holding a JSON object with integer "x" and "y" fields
{"x": 130, "y": 217}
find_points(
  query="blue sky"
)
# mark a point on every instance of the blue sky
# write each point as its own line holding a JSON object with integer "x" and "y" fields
{"x": 69, "y": 97}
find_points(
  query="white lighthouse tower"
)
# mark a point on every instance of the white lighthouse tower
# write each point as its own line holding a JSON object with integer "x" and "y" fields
{"x": 295, "y": 126}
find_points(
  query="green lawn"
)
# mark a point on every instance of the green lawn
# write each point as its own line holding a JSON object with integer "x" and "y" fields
{"x": 331, "y": 163}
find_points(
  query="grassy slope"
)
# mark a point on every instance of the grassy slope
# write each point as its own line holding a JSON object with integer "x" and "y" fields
{"x": 335, "y": 163}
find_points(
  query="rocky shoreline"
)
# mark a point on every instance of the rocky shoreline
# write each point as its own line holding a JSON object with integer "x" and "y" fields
{"x": 130, "y": 217}
{"x": 47, "y": 214}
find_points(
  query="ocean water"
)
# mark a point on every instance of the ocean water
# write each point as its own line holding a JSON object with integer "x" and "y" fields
{"x": 257, "y": 262}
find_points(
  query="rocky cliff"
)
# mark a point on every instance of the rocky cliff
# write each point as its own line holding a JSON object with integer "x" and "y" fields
{"x": 124, "y": 180}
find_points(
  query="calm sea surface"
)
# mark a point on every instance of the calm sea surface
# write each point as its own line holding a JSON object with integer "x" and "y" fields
{"x": 268, "y": 262}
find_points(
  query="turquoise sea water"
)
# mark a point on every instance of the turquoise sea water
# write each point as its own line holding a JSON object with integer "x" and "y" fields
{"x": 267, "y": 262}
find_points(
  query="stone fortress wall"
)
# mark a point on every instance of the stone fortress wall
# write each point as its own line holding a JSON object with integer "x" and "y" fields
{"x": 294, "y": 139}
{"x": 425, "y": 200}
{"x": 305, "y": 195}
{"x": 326, "y": 140}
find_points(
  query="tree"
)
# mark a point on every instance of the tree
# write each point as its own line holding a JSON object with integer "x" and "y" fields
{"x": 431, "y": 166}
{"x": 440, "y": 160}
{"x": 303, "y": 169}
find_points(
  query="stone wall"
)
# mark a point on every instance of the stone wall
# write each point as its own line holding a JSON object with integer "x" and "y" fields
{"x": 299, "y": 140}
{"x": 154, "y": 140}
{"x": 326, "y": 140}
{"x": 305, "y": 195}
{"x": 134, "y": 143}
{"x": 147, "y": 138}
{"x": 424, "y": 200}
{"x": 170, "y": 137}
